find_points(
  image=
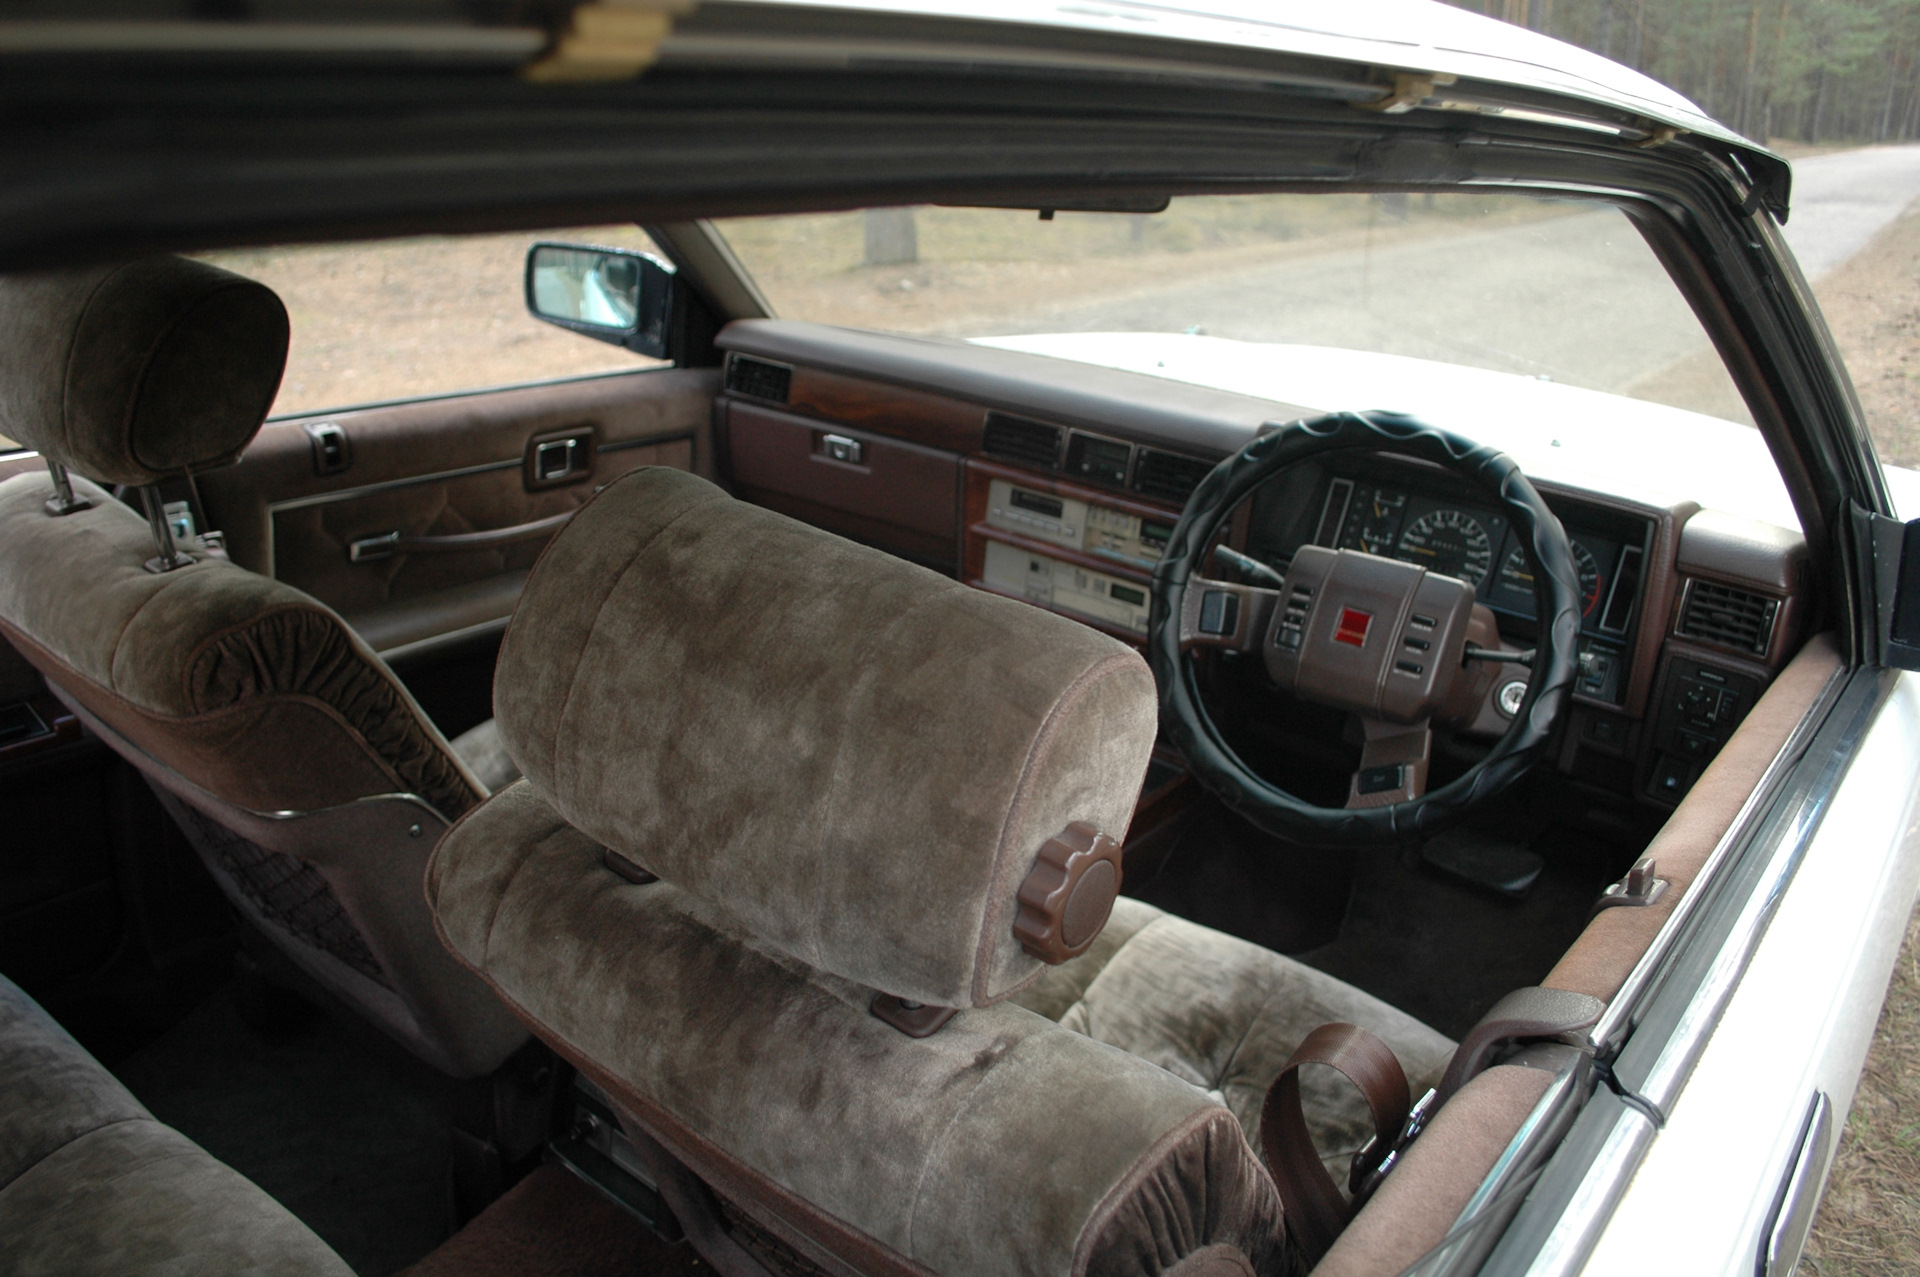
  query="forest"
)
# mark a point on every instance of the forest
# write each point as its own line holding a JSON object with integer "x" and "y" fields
{"x": 1801, "y": 70}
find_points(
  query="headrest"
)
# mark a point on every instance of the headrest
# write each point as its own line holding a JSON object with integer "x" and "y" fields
{"x": 133, "y": 373}
{"x": 860, "y": 759}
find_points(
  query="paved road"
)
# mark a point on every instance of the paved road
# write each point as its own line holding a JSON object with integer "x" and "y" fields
{"x": 1493, "y": 298}
{"x": 1575, "y": 298}
{"x": 1841, "y": 200}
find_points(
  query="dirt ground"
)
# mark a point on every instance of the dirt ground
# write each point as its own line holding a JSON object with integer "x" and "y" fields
{"x": 1869, "y": 1223}
{"x": 434, "y": 314}
{"x": 983, "y": 271}
{"x": 421, "y": 316}
{"x": 1872, "y": 303}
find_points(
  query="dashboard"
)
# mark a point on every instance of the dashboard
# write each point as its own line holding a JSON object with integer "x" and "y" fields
{"x": 1059, "y": 484}
{"x": 1403, "y": 510}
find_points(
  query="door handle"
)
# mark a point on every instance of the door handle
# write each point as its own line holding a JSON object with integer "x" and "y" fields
{"x": 1799, "y": 1192}
{"x": 385, "y": 546}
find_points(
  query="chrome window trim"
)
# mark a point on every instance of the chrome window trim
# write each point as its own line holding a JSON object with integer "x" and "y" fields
{"x": 1806, "y": 804}
{"x": 1580, "y": 1221}
{"x": 1476, "y": 1229}
{"x": 1788, "y": 828}
{"x": 1777, "y": 821}
{"x": 1643, "y": 980}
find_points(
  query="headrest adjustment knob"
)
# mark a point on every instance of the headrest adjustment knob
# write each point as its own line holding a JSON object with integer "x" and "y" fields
{"x": 1068, "y": 893}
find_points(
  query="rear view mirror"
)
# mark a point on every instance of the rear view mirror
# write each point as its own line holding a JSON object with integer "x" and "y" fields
{"x": 610, "y": 294}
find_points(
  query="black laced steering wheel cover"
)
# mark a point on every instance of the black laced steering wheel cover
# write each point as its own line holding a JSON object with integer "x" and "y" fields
{"x": 1556, "y": 594}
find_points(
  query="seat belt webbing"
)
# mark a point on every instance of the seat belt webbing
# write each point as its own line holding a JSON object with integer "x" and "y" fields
{"x": 1315, "y": 1210}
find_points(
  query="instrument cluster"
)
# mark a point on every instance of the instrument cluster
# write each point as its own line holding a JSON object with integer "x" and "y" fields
{"x": 1475, "y": 544}
{"x": 1402, "y": 511}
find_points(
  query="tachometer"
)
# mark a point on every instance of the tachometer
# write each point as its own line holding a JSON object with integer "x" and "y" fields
{"x": 1450, "y": 542}
{"x": 1517, "y": 574}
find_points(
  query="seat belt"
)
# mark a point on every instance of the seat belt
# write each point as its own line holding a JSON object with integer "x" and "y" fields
{"x": 1315, "y": 1210}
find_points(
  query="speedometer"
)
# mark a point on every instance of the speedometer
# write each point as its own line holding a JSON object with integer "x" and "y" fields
{"x": 1450, "y": 542}
{"x": 1517, "y": 574}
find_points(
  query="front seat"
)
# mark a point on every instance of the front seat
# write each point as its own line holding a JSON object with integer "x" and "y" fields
{"x": 811, "y": 873}
{"x": 304, "y": 774}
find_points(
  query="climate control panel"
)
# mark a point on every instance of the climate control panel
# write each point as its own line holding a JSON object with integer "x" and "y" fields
{"x": 1063, "y": 587}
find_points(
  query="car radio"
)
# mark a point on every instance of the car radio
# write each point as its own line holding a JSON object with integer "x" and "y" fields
{"x": 1080, "y": 525}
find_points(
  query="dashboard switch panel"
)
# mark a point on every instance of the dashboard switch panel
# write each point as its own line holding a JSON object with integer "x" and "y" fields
{"x": 1699, "y": 707}
{"x": 1063, "y": 587}
{"x": 1601, "y": 665}
{"x": 1078, "y": 525}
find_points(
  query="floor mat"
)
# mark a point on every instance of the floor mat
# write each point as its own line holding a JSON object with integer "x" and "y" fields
{"x": 551, "y": 1224}
{"x": 350, "y": 1136}
{"x": 1444, "y": 950}
{"x": 1225, "y": 874}
{"x": 1438, "y": 947}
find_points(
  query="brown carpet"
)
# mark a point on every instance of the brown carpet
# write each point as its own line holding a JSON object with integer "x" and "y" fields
{"x": 551, "y": 1224}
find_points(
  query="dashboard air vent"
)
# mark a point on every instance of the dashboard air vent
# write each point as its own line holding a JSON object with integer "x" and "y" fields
{"x": 758, "y": 379}
{"x": 1732, "y": 618}
{"x": 1168, "y": 476}
{"x": 1031, "y": 443}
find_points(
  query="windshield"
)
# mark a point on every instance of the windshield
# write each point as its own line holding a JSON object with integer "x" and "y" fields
{"x": 1553, "y": 290}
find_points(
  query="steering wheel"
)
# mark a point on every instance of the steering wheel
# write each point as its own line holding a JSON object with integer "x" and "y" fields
{"x": 1384, "y": 640}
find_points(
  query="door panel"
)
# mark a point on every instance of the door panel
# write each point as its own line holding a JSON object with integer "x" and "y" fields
{"x": 439, "y": 468}
{"x": 312, "y": 537}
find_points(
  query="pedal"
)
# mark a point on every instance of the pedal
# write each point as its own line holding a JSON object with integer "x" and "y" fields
{"x": 1484, "y": 862}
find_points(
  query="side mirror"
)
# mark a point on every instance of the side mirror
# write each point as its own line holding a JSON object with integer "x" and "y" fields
{"x": 610, "y": 294}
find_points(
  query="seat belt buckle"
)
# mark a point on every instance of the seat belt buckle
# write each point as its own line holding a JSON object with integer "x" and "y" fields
{"x": 1373, "y": 1162}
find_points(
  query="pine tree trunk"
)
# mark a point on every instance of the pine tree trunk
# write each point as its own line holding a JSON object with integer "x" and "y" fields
{"x": 1743, "y": 119}
{"x": 1886, "y": 109}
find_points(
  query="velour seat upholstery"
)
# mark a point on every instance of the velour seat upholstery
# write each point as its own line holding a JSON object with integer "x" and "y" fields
{"x": 268, "y": 728}
{"x": 1224, "y": 1015}
{"x": 787, "y": 803}
{"x": 91, "y": 1184}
